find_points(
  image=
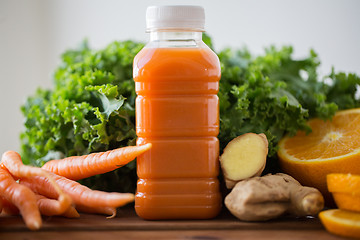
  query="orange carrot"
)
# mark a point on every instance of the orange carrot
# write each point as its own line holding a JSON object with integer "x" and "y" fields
{"x": 99, "y": 210}
{"x": 79, "y": 167}
{"x": 80, "y": 194}
{"x": 1, "y": 204}
{"x": 52, "y": 207}
{"x": 12, "y": 161}
{"x": 22, "y": 197}
{"x": 8, "y": 207}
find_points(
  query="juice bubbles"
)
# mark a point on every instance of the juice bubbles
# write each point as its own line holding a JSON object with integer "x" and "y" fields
{"x": 177, "y": 110}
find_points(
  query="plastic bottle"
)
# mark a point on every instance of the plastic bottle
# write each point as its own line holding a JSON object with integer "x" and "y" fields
{"x": 177, "y": 110}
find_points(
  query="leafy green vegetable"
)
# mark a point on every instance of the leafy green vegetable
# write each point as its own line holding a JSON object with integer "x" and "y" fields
{"x": 91, "y": 107}
{"x": 276, "y": 94}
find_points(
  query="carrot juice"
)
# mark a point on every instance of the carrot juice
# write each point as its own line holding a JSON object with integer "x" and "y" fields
{"x": 177, "y": 110}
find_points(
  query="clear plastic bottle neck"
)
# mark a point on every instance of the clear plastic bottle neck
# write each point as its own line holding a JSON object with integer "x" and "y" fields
{"x": 161, "y": 38}
{"x": 175, "y": 36}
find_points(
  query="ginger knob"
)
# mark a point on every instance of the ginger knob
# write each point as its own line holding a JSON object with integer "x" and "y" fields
{"x": 270, "y": 196}
{"x": 244, "y": 157}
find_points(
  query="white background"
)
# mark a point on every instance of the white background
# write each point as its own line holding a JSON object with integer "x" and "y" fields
{"x": 33, "y": 34}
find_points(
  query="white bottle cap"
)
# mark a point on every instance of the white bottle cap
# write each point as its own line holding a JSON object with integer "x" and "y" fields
{"x": 182, "y": 17}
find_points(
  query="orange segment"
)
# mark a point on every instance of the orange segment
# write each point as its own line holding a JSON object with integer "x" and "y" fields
{"x": 347, "y": 201}
{"x": 345, "y": 183}
{"x": 331, "y": 147}
{"x": 345, "y": 189}
{"x": 341, "y": 222}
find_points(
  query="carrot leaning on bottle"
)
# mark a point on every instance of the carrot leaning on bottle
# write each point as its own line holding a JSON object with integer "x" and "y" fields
{"x": 51, "y": 190}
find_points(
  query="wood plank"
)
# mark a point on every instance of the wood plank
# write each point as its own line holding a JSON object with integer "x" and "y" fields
{"x": 129, "y": 226}
{"x": 128, "y": 220}
{"x": 168, "y": 234}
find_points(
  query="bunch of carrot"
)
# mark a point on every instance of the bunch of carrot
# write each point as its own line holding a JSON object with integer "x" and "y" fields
{"x": 51, "y": 190}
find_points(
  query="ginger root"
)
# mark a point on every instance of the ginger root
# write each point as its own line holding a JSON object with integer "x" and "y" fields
{"x": 270, "y": 196}
{"x": 244, "y": 157}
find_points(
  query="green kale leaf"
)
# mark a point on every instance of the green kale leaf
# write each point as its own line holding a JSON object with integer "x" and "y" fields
{"x": 92, "y": 105}
{"x": 90, "y": 109}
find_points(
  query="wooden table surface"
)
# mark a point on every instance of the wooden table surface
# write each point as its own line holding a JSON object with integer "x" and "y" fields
{"x": 128, "y": 226}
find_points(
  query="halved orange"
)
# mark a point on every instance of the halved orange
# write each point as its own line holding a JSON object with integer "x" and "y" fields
{"x": 331, "y": 147}
{"x": 341, "y": 222}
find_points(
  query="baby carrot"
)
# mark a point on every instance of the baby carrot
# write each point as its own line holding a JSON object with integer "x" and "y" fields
{"x": 12, "y": 161}
{"x": 79, "y": 167}
{"x": 52, "y": 207}
{"x": 22, "y": 197}
{"x": 80, "y": 194}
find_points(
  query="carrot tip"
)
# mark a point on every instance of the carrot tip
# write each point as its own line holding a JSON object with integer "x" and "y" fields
{"x": 148, "y": 145}
{"x": 71, "y": 213}
{"x": 130, "y": 196}
{"x": 34, "y": 225}
{"x": 113, "y": 215}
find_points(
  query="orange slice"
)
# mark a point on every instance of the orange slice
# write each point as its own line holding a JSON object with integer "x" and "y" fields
{"x": 331, "y": 147}
{"x": 344, "y": 183}
{"x": 345, "y": 189}
{"x": 347, "y": 201}
{"x": 341, "y": 222}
